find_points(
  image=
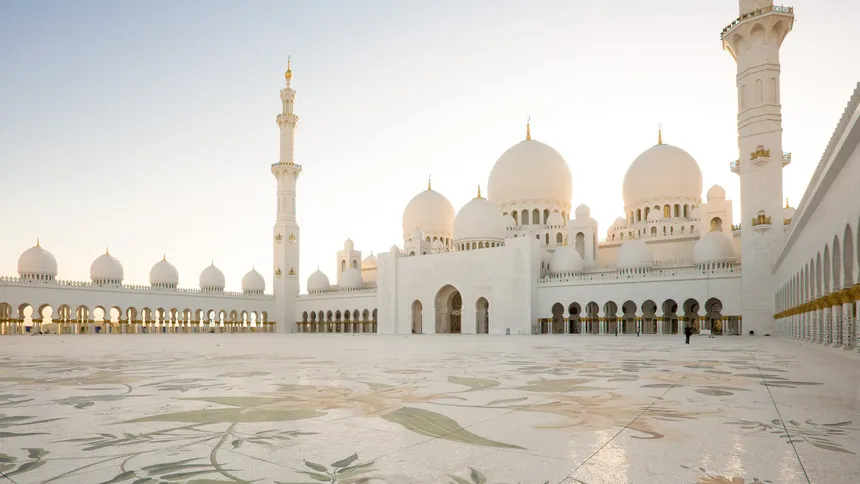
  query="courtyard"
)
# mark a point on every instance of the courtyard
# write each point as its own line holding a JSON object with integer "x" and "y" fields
{"x": 307, "y": 408}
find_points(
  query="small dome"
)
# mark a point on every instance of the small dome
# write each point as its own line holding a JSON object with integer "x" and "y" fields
{"x": 394, "y": 249}
{"x": 253, "y": 282}
{"x": 351, "y": 279}
{"x": 655, "y": 215}
{"x": 583, "y": 211}
{"x": 555, "y": 219}
{"x": 37, "y": 261}
{"x": 662, "y": 172}
{"x": 212, "y": 279}
{"x": 716, "y": 193}
{"x": 788, "y": 211}
{"x": 509, "y": 220}
{"x": 695, "y": 214}
{"x": 714, "y": 247}
{"x": 318, "y": 281}
{"x": 566, "y": 259}
{"x": 348, "y": 245}
{"x": 634, "y": 254}
{"x": 106, "y": 268}
{"x": 530, "y": 170}
{"x": 163, "y": 273}
{"x": 429, "y": 211}
{"x": 416, "y": 234}
{"x": 437, "y": 245}
{"x": 369, "y": 262}
{"x": 479, "y": 219}
{"x": 545, "y": 256}
{"x": 620, "y": 222}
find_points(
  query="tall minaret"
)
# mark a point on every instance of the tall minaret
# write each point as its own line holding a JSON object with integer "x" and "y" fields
{"x": 754, "y": 40}
{"x": 286, "y": 230}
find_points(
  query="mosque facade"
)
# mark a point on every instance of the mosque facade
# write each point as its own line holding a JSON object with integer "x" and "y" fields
{"x": 521, "y": 260}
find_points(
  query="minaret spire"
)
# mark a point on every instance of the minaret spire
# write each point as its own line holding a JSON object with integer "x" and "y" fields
{"x": 759, "y": 121}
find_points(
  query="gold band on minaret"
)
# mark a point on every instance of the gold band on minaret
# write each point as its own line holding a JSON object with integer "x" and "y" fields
{"x": 528, "y": 128}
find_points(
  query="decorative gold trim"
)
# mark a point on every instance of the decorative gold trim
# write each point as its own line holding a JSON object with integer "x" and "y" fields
{"x": 528, "y": 128}
{"x": 760, "y": 152}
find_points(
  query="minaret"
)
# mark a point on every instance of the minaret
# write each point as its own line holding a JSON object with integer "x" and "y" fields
{"x": 754, "y": 39}
{"x": 286, "y": 230}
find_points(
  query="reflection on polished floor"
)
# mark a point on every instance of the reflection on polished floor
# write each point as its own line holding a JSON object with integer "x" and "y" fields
{"x": 354, "y": 409}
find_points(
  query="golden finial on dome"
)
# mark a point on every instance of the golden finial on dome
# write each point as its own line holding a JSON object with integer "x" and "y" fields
{"x": 37, "y": 242}
{"x": 479, "y": 192}
{"x": 786, "y": 202}
{"x": 428, "y": 182}
{"x": 107, "y": 250}
{"x": 660, "y": 134}
{"x": 289, "y": 74}
{"x": 164, "y": 257}
{"x": 528, "y": 128}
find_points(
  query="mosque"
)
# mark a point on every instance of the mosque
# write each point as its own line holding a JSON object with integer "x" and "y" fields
{"x": 522, "y": 260}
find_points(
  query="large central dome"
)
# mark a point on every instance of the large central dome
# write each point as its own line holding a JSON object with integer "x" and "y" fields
{"x": 530, "y": 170}
{"x": 662, "y": 172}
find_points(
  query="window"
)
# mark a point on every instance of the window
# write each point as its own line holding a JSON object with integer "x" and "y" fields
{"x": 559, "y": 238}
{"x": 525, "y": 217}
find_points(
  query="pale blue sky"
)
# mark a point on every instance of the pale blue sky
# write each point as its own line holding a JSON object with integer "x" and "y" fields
{"x": 149, "y": 126}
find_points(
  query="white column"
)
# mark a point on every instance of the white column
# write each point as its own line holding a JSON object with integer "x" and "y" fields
{"x": 847, "y": 321}
{"x": 836, "y": 320}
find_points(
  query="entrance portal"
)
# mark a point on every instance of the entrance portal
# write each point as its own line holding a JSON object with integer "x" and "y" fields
{"x": 482, "y": 316}
{"x": 449, "y": 308}
{"x": 416, "y": 317}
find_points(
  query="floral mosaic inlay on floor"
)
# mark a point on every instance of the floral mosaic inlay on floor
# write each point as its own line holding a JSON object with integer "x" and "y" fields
{"x": 272, "y": 408}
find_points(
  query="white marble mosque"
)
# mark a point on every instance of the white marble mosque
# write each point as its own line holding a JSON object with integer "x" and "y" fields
{"x": 522, "y": 260}
{"x": 378, "y": 390}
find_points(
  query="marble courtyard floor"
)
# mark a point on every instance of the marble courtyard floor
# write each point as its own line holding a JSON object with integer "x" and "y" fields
{"x": 205, "y": 409}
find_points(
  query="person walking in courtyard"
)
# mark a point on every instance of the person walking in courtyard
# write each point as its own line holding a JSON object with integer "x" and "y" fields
{"x": 688, "y": 331}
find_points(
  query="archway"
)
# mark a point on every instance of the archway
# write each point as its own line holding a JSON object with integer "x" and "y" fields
{"x": 592, "y": 311}
{"x": 416, "y": 317}
{"x": 610, "y": 309}
{"x": 482, "y": 316}
{"x": 629, "y": 319}
{"x": 557, "y": 318}
{"x": 649, "y": 317}
{"x": 449, "y": 308}
{"x": 691, "y": 314}
{"x": 574, "y": 324}
{"x": 670, "y": 317}
{"x": 713, "y": 316}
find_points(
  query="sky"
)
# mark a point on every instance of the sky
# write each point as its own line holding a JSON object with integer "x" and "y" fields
{"x": 149, "y": 127}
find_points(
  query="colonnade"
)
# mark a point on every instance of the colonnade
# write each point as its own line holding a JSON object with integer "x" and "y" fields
{"x": 12, "y": 327}
{"x": 829, "y": 320}
{"x": 357, "y": 327}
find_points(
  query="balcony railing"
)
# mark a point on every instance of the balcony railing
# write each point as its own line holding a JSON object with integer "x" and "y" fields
{"x": 755, "y": 13}
{"x": 762, "y": 220}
